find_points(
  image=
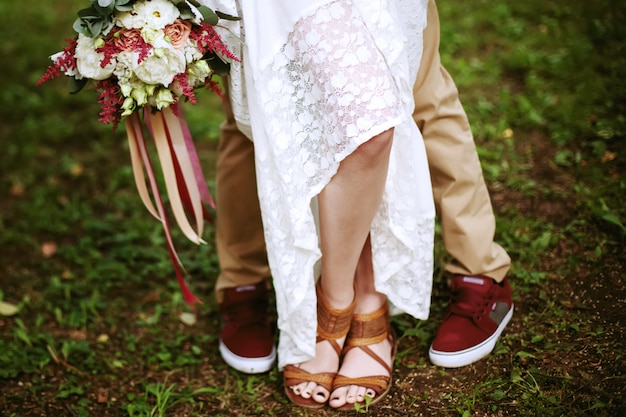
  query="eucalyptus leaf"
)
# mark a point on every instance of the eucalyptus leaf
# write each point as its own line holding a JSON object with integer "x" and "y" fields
{"x": 78, "y": 26}
{"x": 209, "y": 15}
{"x": 124, "y": 7}
{"x": 187, "y": 14}
{"x": 106, "y": 3}
{"x": 89, "y": 12}
{"x": 96, "y": 27}
{"x": 105, "y": 11}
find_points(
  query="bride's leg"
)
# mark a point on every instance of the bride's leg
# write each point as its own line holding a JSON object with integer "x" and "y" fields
{"x": 357, "y": 363}
{"x": 347, "y": 206}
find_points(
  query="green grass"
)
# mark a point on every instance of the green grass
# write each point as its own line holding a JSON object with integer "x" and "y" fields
{"x": 98, "y": 328}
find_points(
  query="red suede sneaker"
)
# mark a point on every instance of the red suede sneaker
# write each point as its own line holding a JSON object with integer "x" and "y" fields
{"x": 247, "y": 339}
{"x": 480, "y": 309}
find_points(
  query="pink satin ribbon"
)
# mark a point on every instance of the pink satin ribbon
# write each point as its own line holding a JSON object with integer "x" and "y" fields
{"x": 185, "y": 183}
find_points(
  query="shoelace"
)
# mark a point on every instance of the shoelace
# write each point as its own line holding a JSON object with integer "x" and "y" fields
{"x": 467, "y": 303}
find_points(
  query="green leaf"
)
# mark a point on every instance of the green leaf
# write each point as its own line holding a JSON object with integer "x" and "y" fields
{"x": 614, "y": 220}
{"x": 105, "y": 11}
{"x": 89, "y": 12}
{"x": 123, "y": 8}
{"x": 516, "y": 375}
{"x": 78, "y": 26}
{"x": 209, "y": 15}
{"x": 23, "y": 336}
{"x": 218, "y": 65}
{"x": 226, "y": 16}
{"x": 74, "y": 86}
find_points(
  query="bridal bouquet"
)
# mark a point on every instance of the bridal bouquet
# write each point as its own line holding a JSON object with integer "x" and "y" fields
{"x": 144, "y": 57}
{"x": 142, "y": 53}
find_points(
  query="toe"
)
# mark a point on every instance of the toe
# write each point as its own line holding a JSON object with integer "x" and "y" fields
{"x": 360, "y": 394}
{"x": 338, "y": 397}
{"x": 297, "y": 389}
{"x": 320, "y": 394}
{"x": 308, "y": 389}
{"x": 351, "y": 396}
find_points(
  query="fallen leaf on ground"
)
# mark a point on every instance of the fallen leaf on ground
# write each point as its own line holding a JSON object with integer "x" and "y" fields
{"x": 8, "y": 309}
{"x": 188, "y": 319}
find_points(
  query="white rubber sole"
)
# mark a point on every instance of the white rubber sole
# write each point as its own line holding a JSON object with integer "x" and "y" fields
{"x": 470, "y": 355}
{"x": 248, "y": 365}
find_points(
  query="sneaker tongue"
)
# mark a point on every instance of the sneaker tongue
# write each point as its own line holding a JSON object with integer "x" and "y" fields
{"x": 244, "y": 288}
{"x": 471, "y": 290}
{"x": 244, "y": 293}
{"x": 475, "y": 284}
{"x": 474, "y": 280}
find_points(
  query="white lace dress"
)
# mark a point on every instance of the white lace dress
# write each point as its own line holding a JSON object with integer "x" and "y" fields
{"x": 317, "y": 79}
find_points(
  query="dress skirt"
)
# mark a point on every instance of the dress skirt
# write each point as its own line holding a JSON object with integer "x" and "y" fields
{"x": 316, "y": 80}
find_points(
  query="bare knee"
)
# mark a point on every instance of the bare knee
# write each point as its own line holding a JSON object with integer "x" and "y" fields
{"x": 376, "y": 148}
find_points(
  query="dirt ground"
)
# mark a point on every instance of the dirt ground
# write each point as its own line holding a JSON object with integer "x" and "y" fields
{"x": 571, "y": 356}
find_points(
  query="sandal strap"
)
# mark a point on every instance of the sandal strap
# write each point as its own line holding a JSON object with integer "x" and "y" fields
{"x": 368, "y": 329}
{"x": 332, "y": 323}
{"x": 378, "y": 383}
{"x": 371, "y": 328}
{"x": 294, "y": 376}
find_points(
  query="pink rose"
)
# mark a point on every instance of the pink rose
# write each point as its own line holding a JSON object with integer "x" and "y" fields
{"x": 129, "y": 40}
{"x": 178, "y": 33}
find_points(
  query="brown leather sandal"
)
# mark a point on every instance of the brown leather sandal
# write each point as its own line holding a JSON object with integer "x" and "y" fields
{"x": 368, "y": 329}
{"x": 332, "y": 324}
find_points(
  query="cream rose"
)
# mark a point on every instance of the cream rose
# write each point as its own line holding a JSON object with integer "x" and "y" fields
{"x": 88, "y": 61}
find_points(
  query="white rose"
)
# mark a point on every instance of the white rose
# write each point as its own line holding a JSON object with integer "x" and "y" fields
{"x": 88, "y": 60}
{"x": 127, "y": 61}
{"x": 155, "y": 14}
{"x": 161, "y": 67}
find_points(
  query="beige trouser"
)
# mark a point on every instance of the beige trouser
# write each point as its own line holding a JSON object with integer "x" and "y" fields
{"x": 461, "y": 196}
